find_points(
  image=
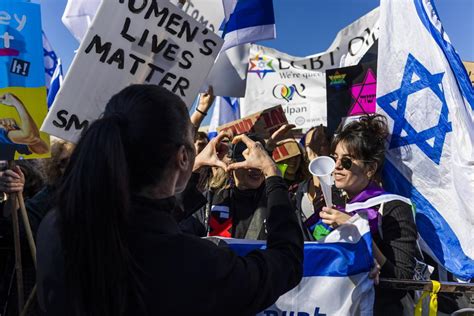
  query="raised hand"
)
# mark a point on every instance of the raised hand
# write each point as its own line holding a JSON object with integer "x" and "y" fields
{"x": 255, "y": 158}
{"x": 213, "y": 153}
{"x": 206, "y": 100}
{"x": 278, "y": 135}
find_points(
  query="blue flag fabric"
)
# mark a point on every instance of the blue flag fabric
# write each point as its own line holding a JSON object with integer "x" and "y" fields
{"x": 339, "y": 263}
{"x": 226, "y": 109}
{"x": 247, "y": 21}
{"x": 424, "y": 91}
{"x": 55, "y": 83}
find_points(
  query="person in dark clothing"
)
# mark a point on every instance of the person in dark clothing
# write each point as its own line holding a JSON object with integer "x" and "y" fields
{"x": 39, "y": 193}
{"x": 359, "y": 150}
{"x": 240, "y": 210}
{"x": 114, "y": 247}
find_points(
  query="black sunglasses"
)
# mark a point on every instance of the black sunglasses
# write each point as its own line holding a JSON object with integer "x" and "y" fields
{"x": 346, "y": 162}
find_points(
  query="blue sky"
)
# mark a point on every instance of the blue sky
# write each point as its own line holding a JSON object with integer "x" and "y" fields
{"x": 304, "y": 27}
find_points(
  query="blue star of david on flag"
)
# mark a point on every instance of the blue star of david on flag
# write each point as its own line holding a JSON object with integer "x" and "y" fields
{"x": 407, "y": 88}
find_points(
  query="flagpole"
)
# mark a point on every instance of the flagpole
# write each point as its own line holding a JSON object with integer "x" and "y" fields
{"x": 11, "y": 204}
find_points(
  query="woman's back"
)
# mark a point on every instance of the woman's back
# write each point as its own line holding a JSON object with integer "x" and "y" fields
{"x": 183, "y": 275}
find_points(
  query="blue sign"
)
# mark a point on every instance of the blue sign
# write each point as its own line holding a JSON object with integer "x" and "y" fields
{"x": 21, "y": 48}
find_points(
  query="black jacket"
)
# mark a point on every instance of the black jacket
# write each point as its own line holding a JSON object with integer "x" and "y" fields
{"x": 398, "y": 245}
{"x": 185, "y": 275}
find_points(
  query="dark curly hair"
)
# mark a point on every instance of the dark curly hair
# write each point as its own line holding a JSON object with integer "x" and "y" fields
{"x": 365, "y": 139}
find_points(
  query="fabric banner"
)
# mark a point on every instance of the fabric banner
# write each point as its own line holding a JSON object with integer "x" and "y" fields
{"x": 299, "y": 83}
{"x": 425, "y": 92}
{"x": 337, "y": 264}
{"x": 350, "y": 92}
{"x": 22, "y": 82}
{"x": 156, "y": 43}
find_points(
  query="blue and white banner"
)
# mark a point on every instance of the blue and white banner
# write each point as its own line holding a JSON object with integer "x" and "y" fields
{"x": 50, "y": 61}
{"x": 247, "y": 22}
{"x": 425, "y": 92}
{"x": 335, "y": 275}
{"x": 226, "y": 109}
{"x": 55, "y": 83}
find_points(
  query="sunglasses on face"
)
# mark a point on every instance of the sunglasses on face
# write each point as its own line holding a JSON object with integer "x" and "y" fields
{"x": 346, "y": 162}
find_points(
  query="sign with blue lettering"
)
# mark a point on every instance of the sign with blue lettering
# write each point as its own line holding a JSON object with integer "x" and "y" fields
{"x": 21, "y": 49}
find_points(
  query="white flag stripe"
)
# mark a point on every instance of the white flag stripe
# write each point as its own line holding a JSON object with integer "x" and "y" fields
{"x": 430, "y": 157}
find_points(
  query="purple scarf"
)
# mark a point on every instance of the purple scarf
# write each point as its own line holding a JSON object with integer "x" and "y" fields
{"x": 372, "y": 190}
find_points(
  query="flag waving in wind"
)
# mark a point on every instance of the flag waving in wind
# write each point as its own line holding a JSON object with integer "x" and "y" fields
{"x": 424, "y": 91}
{"x": 226, "y": 109}
{"x": 247, "y": 21}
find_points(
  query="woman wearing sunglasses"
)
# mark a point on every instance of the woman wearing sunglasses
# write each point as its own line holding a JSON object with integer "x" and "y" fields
{"x": 359, "y": 151}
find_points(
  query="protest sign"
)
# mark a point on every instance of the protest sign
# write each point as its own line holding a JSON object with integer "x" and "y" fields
{"x": 470, "y": 70}
{"x": 152, "y": 42}
{"x": 350, "y": 92}
{"x": 286, "y": 150}
{"x": 264, "y": 123}
{"x": 23, "y": 104}
{"x": 298, "y": 83}
{"x": 207, "y": 12}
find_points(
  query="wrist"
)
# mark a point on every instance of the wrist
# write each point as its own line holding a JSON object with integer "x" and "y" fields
{"x": 271, "y": 170}
{"x": 203, "y": 113}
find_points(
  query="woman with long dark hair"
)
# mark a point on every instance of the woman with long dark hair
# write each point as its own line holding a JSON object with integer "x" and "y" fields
{"x": 359, "y": 151}
{"x": 113, "y": 247}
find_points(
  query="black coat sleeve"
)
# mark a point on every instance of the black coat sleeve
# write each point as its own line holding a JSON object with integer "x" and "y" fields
{"x": 398, "y": 244}
{"x": 255, "y": 281}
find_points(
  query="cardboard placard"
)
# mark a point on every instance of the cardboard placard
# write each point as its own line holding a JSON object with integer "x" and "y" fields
{"x": 130, "y": 42}
{"x": 263, "y": 123}
{"x": 470, "y": 70}
{"x": 285, "y": 151}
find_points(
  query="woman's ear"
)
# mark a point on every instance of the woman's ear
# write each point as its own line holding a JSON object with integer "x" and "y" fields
{"x": 371, "y": 170}
{"x": 183, "y": 158}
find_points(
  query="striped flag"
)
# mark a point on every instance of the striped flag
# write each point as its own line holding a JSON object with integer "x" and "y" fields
{"x": 56, "y": 82}
{"x": 424, "y": 91}
{"x": 335, "y": 274}
{"x": 226, "y": 109}
{"x": 50, "y": 61}
{"x": 247, "y": 21}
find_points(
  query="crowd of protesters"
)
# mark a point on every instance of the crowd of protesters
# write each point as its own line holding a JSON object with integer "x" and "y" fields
{"x": 118, "y": 218}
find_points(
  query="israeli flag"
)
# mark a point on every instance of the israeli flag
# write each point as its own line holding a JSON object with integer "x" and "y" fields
{"x": 226, "y": 109}
{"x": 247, "y": 21}
{"x": 56, "y": 82}
{"x": 335, "y": 274}
{"x": 50, "y": 60}
{"x": 424, "y": 91}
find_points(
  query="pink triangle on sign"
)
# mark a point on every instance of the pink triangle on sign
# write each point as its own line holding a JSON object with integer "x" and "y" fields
{"x": 364, "y": 95}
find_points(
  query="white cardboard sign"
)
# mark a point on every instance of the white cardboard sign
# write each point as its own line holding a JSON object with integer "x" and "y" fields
{"x": 131, "y": 42}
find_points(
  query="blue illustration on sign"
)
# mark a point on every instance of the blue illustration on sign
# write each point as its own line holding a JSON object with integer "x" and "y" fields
{"x": 21, "y": 48}
{"x": 407, "y": 88}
